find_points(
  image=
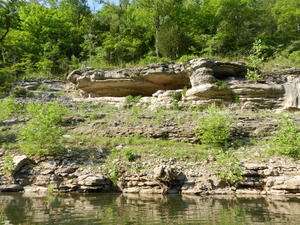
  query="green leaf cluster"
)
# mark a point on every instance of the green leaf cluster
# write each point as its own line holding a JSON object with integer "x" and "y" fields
{"x": 228, "y": 168}
{"x": 47, "y": 38}
{"x": 8, "y": 165}
{"x": 255, "y": 61}
{"x": 214, "y": 129}
{"x": 7, "y": 107}
{"x": 286, "y": 141}
{"x": 43, "y": 133}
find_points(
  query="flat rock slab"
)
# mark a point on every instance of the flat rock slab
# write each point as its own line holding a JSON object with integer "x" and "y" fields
{"x": 11, "y": 188}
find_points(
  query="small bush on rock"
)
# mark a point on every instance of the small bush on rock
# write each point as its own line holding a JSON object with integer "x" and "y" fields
{"x": 8, "y": 165}
{"x": 222, "y": 85}
{"x": 214, "y": 129}
{"x": 132, "y": 100}
{"x": 255, "y": 60}
{"x": 228, "y": 168}
{"x": 286, "y": 141}
{"x": 43, "y": 133}
{"x": 7, "y": 77}
{"x": 7, "y": 108}
{"x": 129, "y": 155}
{"x": 177, "y": 96}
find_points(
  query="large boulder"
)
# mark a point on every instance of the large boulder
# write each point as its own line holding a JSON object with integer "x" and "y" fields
{"x": 20, "y": 161}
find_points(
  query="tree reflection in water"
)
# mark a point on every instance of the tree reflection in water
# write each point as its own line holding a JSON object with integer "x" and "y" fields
{"x": 146, "y": 209}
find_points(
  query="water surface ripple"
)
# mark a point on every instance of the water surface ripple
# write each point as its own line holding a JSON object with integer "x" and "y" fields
{"x": 73, "y": 209}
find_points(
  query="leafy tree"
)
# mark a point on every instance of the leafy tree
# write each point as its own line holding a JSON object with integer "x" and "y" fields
{"x": 287, "y": 14}
{"x": 50, "y": 36}
{"x": 162, "y": 16}
{"x": 8, "y": 17}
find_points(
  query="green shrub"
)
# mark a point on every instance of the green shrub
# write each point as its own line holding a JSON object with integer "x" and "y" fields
{"x": 183, "y": 91}
{"x": 294, "y": 58}
{"x": 235, "y": 97}
{"x": 253, "y": 75}
{"x": 135, "y": 113}
{"x": 221, "y": 84}
{"x": 186, "y": 58}
{"x": 7, "y": 107}
{"x": 43, "y": 133}
{"x": 7, "y": 78}
{"x": 255, "y": 60}
{"x": 159, "y": 116}
{"x": 129, "y": 155}
{"x": 214, "y": 129}
{"x": 228, "y": 168}
{"x": 8, "y": 165}
{"x": 132, "y": 100}
{"x": 152, "y": 59}
{"x": 177, "y": 96}
{"x": 43, "y": 87}
{"x": 112, "y": 166}
{"x": 286, "y": 141}
{"x": 2, "y": 219}
{"x": 50, "y": 197}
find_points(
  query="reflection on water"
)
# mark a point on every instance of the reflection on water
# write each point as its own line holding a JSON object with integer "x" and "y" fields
{"x": 135, "y": 209}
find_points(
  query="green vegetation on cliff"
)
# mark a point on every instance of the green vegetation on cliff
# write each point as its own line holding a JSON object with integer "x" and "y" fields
{"x": 43, "y": 133}
{"x": 137, "y": 138}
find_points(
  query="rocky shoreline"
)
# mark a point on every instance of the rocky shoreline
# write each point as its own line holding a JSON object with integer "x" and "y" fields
{"x": 75, "y": 171}
{"x": 65, "y": 174}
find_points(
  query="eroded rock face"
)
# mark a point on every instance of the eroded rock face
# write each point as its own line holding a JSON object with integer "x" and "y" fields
{"x": 20, "y": 161}
{"x": 275, "y": 177}
{"x": 135, "y": 81}
{"x": 292, "y": 93}
{"x": 208, "y": 82}
{"x": 162, "y": 180}
{"x": 258, "y": 95}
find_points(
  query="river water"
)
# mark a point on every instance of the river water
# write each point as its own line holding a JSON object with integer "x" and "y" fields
{"x": 120, "y": 209}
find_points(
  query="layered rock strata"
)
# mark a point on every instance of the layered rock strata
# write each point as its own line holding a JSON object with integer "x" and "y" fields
{"x": 207, "y": 81}
{"x": 136, "y": 81}
{"x": 275, "y": 177}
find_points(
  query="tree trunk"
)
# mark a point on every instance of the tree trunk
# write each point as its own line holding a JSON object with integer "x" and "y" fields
{"x": 157, "y": 28}
{"x": 156, "y": 43}
{"x": 7, "y": 26}
{"x": 2, "y": 54}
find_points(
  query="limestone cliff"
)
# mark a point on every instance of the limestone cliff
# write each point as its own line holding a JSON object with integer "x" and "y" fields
{"x": 207, "y": 81}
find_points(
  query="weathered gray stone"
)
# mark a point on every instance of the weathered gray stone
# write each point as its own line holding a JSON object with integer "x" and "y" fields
{"x": 292, "y": 94}
{"x": 93, "y": 180}
{"x": 35, "y": 190}
{"x": 20, "y": 161}
{"x": 201, "y": 76}
{"x": 135, "y": 81}
{"x": 11, "y": 188}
